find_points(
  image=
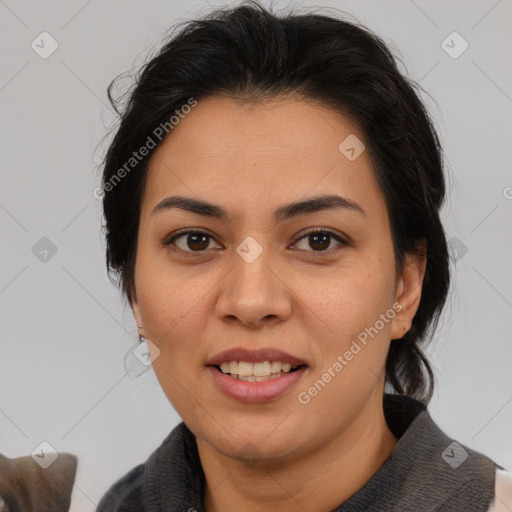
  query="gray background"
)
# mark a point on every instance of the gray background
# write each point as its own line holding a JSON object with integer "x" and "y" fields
{"x": 65, "y": 331}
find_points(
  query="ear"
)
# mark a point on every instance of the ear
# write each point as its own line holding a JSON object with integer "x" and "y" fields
{"x": 408, "y": 290}
{"x": 136, "y": 313}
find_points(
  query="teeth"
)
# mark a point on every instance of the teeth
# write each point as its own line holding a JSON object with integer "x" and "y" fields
{"x": 276, "y": 366}
{"x": 252, "y": 378}
{"x": 245, "y": 368}
{"x": 260, "y": 371}
{"x": 226, "y": 367}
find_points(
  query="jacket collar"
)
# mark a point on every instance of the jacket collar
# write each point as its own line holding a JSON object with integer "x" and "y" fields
{"x": 175, "y": 481}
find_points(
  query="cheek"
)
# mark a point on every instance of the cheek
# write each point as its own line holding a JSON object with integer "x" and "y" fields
{"x": 352, "y": 305}
{"x": 173, "y": 315}
{"x": 351, "y": 299}
{"x": 170, "y": 300}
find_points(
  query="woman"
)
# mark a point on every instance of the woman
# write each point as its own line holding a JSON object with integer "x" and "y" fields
{"x": 272, "y": 200}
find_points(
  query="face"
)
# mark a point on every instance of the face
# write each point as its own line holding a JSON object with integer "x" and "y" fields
{"x": 253, "y": 279}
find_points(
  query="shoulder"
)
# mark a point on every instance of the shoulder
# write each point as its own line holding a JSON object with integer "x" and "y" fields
{"x": 502, "y": 492}
{"x": 125, "y": 495}
{"x": 131, "y": 491}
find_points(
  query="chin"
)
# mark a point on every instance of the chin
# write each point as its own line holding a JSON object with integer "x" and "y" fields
{"x": 254, "y": 444}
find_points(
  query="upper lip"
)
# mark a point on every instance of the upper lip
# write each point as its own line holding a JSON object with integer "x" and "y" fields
{"x": 255, "y": 356}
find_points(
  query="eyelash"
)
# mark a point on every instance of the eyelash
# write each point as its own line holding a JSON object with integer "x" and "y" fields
{"x": 313, "y": 231}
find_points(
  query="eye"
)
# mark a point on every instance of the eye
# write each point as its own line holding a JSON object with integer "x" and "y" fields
{"x": 194, "y": 241}
{"x": 321, "y": 239}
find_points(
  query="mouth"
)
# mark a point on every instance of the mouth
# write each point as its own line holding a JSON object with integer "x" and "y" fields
{"x": 248, "y": 371}
{"x": 243, "y": 382}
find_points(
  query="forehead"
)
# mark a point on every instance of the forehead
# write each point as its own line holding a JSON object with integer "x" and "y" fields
{"x": 261, "y": 154}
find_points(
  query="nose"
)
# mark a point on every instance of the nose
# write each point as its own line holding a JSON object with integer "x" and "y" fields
{"x": 255, "y": 293}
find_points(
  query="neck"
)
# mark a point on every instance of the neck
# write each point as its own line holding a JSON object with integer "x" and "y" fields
{"x": 320, "y": 480}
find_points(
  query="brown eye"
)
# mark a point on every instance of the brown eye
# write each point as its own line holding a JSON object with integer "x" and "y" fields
{"x": 320, "y": 240}
{"x": 190, "y": 241}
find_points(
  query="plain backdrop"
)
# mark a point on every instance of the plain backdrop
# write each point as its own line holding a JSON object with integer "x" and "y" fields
{"x": 64, "y": 330}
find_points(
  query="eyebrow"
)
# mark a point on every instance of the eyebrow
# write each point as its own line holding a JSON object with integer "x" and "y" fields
{"x": 285, "y": 212}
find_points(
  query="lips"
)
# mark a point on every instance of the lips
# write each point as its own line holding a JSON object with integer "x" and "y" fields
{"x": 254, "y": 356}
{"x": 257, "y": 389}
{"x": 256, "y": 392}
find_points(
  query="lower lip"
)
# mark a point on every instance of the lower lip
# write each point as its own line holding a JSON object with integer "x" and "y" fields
{"x": 255, "y": 392}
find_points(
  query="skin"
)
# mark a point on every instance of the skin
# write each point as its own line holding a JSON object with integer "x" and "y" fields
{"x": 308, "y": 301}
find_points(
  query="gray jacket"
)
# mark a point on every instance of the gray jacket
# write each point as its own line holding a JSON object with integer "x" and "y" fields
{"x": 427, "y": 471}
